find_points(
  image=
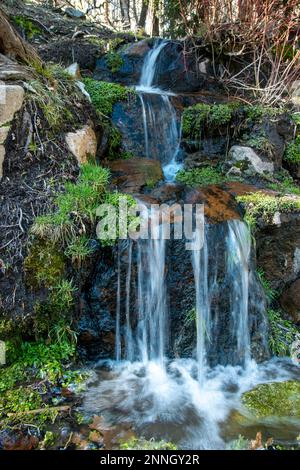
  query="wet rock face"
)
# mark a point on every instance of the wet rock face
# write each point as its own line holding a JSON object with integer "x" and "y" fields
{"x": 99, "y": 305}
{"x": 290, "y": 300}
{"x": 178, "y": 71}
{"x": 278, "y": 250}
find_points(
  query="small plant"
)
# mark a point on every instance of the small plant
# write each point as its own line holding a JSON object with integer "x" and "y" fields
{"x": 264, "y": 206}
{"x": 282, "y": 333}
{"x": 239, "y": 444}
{"x": 114, "y": 143}
{"x": 257, "y": 111}
{"x": 200, "y": 177}
{"x": 79, "y": 250}
{"x": 29, "y": 29}
{"x": 284, "y": 183}
{"x": 270, "y": 293}
{"x": 292, "y": 152}
{"x": 114, "y": 61}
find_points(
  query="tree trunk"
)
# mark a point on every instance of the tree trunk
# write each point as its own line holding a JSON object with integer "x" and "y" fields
{"x": 143, "y": 15}
{"x": 125, "y": 13}
{"x": 12, "y": 45}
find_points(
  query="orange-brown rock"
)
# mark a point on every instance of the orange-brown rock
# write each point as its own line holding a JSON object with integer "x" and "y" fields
{"x": 130, "y": 176}
{"x": 219, "y": 205}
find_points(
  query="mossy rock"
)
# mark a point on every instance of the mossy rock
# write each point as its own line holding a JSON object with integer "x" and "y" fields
{"x": 276, "y": 399}
{"x": 44, "y": 265}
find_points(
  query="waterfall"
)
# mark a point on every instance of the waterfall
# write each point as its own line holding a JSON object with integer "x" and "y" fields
{"x": 162, "y": 132}
{"x": 239, "y": 246}
{"x": 202, "y": 310}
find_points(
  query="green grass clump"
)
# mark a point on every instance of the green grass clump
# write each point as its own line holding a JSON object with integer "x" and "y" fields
{"x": 292, "y": 152}
{"x": 282, "y": 333}
{"x": 200, "y": 177}
{"x": 79, "y": 250}
{"x": 279, "y": 399}
{"x": 143, "y": 444}
{"x": 270, "y": 293}
{"x": 104, "y": 95}
{"x": 76, "y": 207}
{"x": 195, "y": 117}
{"x": 261, "y": 205}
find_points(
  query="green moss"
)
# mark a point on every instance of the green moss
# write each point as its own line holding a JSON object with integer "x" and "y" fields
{"x": 196, "y": 117}
{"x": 292, "y": 152}
{"x": 114, "y": 61}
{"x": 261, "y": 205}
{"x": 44, "y": 265}
{"x": 282, "y": 333}
{"x": 257, "y": 112}
{"x": 200, "y": 177}
{"x": 144, "y": 444}
{"x": 27, "y": 26}
{"x": 104, "y": 94}
{"x": 274, "y": 399}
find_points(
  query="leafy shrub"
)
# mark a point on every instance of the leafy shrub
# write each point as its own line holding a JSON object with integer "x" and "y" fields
{"x": 114, "y": 61}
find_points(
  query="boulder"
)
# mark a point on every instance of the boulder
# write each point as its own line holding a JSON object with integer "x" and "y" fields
{"x": 11, "y": 100}
{"x": 132, "y": 175}
{"x": 14, "y": 72}
{"x": 290, "y": 300}
{"x": 82, "y": 144}
{"x": 247, "y": 160}
{"x": 74, "y": 13}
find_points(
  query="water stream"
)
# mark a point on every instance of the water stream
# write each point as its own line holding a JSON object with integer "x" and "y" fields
{"x": 190, "y": 401}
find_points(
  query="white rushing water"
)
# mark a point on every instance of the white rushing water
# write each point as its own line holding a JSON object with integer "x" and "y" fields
{"x": 162, "y": 131}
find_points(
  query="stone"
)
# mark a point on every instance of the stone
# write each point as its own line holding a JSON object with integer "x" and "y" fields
{"x": 137, "y": 49}
{"x": 82, "y": 144}
{"x": 248, "y": 161}
{"x": 133, "y": 175}
{"x": 2, "y": 156}
{"x": 219, "y": 205}
{"x": 74, "y": 70}
{"x": 3, "y": 133}
{"x": 11, "y": 101}
{"x": 74, "y": 13}
{"x": 14, "y": 72}
{"x": 295, "y": 97}
{"x": 290, "y": 300}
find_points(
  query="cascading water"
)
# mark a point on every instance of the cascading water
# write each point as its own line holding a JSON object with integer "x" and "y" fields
{"x": 185, "y": 400}
{"x": 159, "y": 116}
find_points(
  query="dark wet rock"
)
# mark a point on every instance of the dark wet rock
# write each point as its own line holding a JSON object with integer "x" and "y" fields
{"x": 290, "y": 300}
{"x": 178, "y": 71}
{"x": 132, "y": 63}
{"x": 170, "y": 192}
{"x": 135, "y": 173}
{"x": 68, "y": 51}
{"x": 278, "y": 250}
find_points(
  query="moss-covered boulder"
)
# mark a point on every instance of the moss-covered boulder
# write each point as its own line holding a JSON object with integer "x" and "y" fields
{"x": 274, "y": 399}
{"x": 136, "y": 173}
